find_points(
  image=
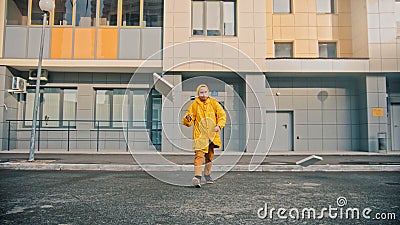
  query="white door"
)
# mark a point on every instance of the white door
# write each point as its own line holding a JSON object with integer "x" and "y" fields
{"x": 395, "y": 126}
{"x": 283, "y": 138}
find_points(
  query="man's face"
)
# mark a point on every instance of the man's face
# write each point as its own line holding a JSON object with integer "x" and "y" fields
{"x": 203, "y": 93}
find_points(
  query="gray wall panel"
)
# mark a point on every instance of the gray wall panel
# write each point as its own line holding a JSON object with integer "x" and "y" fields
{"x": 151, "y": 42}
{"x": 129, "y": 44}
{"x": 34, "y": 42}
{"x": 15, "y": 42}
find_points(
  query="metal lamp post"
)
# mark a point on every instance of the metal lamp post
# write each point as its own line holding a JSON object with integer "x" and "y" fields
{"x": 46, "y": 6}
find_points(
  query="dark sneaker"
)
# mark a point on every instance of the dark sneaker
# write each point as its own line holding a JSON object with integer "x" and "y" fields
{"x": 209, "y": 180}
{"x": 196, "y": 182}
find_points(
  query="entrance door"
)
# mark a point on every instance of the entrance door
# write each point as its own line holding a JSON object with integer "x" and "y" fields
{"x": 283, "y": 139}
{"x": 396, "y": 126}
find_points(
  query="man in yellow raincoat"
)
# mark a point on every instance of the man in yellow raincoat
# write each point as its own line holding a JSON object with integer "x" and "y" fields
{"x": 208, "y": 118}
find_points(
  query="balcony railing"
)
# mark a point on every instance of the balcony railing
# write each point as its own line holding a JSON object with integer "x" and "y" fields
{"x": 82, "y": 134}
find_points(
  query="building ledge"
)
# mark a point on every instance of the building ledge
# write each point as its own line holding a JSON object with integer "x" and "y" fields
{"x": 65, "y": 65}
{"x": 317, "y": 65}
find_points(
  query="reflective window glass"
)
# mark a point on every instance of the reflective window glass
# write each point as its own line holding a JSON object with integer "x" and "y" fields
{"x": 130, "y": 13}
{"x": 63, "y": 12}
{"x": 153, "y": 13}
{"x": 283, "y": 50}
{"x": 85, "y": 13}
{"x": 17, "y": 12}
{"x": 108, "y": 12}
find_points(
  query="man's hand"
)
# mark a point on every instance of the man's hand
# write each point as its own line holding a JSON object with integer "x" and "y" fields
{"x": 217, "y": 129}
{"x": 189, "y": 117}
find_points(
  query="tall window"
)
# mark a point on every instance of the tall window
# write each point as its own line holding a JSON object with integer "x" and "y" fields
{"x": 282, "y": 6}
{"x": 63, "y": 12}
{"x": 325, "y": 6}
{"x": 36, "y": 13}
{"x": 89, "y": 13}
{"x": 327, "y": 50}
{"x": 56, "y": 106}
{"x": 130, "y": 13}
{"x": 116, "y": 105}
{"x": 153, "y": 13}
{"x": 108, "y": 12}
{"x": 85, "y": 15}
{"x": 283, "y": 50}
{"x": 17, "y": 12}
{"x": 214, "y": 18}
{"x": 103, "y": 106}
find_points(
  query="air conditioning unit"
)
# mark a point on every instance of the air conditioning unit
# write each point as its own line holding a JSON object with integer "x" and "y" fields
{"x": 43, "y": 76}
{"x": 18, "y": 84}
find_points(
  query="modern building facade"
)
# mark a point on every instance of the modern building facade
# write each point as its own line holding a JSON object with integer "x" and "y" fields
{"x": 293, "y": 75}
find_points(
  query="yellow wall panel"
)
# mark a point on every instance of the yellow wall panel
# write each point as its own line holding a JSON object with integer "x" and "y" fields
{"x": 287, "y": 33}
{"x": 301, "y": 33}
{"x": 84, "y": 43}
{"x": 276, "y": 33}
{"x": 345, "y": 47}
{"x": 312, "y": 33}
{"x": 324, "y": 33}
{"x": 306, "y": 28}
{"x": 287, "y": 20}
{"x": 61, "y": 43}
{"x": 344, "y": 6}
{"x": 301, "y": 19}
{"x": 300, "y": 6}
{"x": 312, "y": 19}
{"x": 276, "y": 20}
{"x": 107, "y": 43}
{"x": 324, "y": 20}
{"x": 302, "y": 48}
{"x": 313, "y": 48}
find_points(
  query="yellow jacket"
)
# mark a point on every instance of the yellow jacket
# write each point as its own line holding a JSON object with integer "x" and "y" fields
{"x": 206, "y": 116}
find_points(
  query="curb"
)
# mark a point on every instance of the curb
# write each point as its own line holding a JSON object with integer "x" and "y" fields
{"x": 189, "y": 168}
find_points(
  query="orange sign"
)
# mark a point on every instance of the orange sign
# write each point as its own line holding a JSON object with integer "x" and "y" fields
{"x": 377, "y": 111}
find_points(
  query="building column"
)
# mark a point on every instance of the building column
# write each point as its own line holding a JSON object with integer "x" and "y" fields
{"x": 3, "y": 125}
{"x": 84, "y": 111}
{"x": 171, "y": 123}
{"x": 256, "y": 105}
{"x": 373, "y": 111}
{"x": 8, "y": 107}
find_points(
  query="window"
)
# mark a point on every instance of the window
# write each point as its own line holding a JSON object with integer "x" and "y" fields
{"x": 56, "y": 107}
{"x": 63, "y": 12}
{"x": 325, "y": 6}
{"x": 103, "y": 106}
{"x": 284, "y": 50}
{"x": 17, "y": 12}
{"x": 108, "y": 12}
{"x": 327, "y": 50}
{"x": 85, "y": 13}
{"x": 130, "y": 12}
{"x": 214, "y": 18}
{"x": 153, "y": 13}
{"x": 36, "y": 13}
{"x": 282, "y": 6}
{"x": 116, "y": 105}
{"x": 89, "y": 13}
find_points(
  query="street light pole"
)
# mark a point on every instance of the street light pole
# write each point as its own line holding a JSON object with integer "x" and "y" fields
{"x": 45, "y": 6}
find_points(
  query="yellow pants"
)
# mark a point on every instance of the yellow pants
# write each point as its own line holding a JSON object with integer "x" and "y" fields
{"x": 198, "y": 160}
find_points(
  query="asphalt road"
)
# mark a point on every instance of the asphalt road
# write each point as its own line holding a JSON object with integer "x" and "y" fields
{"x": 75, "y": 197}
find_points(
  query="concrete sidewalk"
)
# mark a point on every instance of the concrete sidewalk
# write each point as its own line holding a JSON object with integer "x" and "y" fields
{"x": 124, "y": 161}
